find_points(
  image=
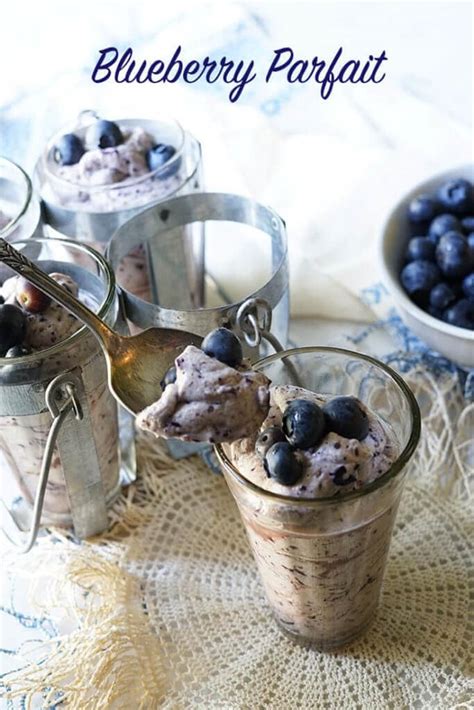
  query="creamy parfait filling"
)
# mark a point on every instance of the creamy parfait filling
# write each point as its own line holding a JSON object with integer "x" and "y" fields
{"x": 283, "y": 438}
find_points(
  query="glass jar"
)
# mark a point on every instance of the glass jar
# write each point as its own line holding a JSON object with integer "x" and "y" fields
{"x": 66, "y": 381}
{"x": 20, "y": 214}
{"x": 322, "y": 560}
{"x": 91, "y": 213}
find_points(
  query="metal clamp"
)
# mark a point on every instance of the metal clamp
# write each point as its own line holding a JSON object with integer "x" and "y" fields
{"x": 63, "y": 395}
{"x": 254, "y": 320}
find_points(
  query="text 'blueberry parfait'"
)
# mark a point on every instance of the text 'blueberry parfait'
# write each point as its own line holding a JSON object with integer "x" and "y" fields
{"x": 306, "y": 470}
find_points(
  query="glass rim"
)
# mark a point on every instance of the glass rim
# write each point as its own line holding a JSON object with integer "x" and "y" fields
{"x": 131, "y": 182}
{"x": 12, "y": 223}
{"x": 78, "y": 334}
{"x": 389, "y": 475}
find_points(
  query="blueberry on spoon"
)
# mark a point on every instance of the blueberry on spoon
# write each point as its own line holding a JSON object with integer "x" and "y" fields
{"x": 223, "y": 345}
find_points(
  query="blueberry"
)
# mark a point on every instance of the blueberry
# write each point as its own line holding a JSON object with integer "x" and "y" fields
{"x": 422, "y": 209}
{"x": 12, "y": 326}
{"x": 267, "y": 438}
{"x": 468, "y": 224}
{"x": 441, "y": 296}
{"x": 470, "y": 244}
{"x": 468, "y": 286}
{"x": 159, "y": 155}
{"x": 460, "y": 314}
{"x": 303, "y": 423}
{"x": 281, "y": 464}
{"x": 18, "y": 351}
{"x": 224, "y": 345}
{"x": 345, "y": 417}
{"x": 168, "y": 378}
{"x": 452, "y": 255}
{"x": 104, "y": 134}
{"x": 419, "y": 276}
{"x": 420, "y": 248}
{"x": 340, "y": 478}
{"x": 457, "y": 196}
{"x": 68, "y": 150}
{"x": 442, "y": 224}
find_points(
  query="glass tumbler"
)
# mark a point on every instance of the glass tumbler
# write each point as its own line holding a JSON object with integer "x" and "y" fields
{"x": 20, "y": 214}
{"x": 322, "y": 560}
{"x": 58, "y": 419}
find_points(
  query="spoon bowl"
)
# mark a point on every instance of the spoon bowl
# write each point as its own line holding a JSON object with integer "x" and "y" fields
{"x": 136, "y": 364}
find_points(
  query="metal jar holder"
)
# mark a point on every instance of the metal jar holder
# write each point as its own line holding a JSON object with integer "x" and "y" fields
{"x": 251, "y": 317}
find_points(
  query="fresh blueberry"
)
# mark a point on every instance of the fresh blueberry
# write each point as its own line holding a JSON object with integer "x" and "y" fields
{"x": 468, "y": 286}
{"x": 104, "y": 134}
{"x": 340, "y": 478}
{"x": 12, "y": 326}
{"x": 468, "y": 224}
{"x": 457, "y": 196}
{"x": 18, "y": 351}
{"x": 159, "y": 155}
{"x": 168, "y": 378}
{"x": 442, "y": 224}
{"x": 452, "y": 255}
{"x": 281, "y": 464}
{"x": 224, "y": 345}
{"x": 345, "y": 417}
{"x": 69, "y": 149}
{"x": 422, "y": 209}
{"x": 441, "y": 296}
{"x": 267, "y": 438}
{"x": 420, "y": 248}
{"x": 470, "y": 244}
{"x": 419, "y": 277}
{"x": 435, "y": 312}
{"x": 303, "y": 423}
{"x": 461, "y": 314}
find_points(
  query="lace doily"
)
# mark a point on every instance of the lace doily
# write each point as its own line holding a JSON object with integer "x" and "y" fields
{"x": 168, "y": 611}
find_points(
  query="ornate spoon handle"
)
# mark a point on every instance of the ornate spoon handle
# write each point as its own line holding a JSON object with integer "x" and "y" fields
{"x": 26, "y": 268}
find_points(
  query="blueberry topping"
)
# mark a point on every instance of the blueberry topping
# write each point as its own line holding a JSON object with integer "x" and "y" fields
{"x": 419, "y": 276}
{"x": 470, "y": 244}
{"x": 18, "y": 351}
{"x": 457, "y": 196}
{"x": 452, "y": 255}
{"x": 104, "y": 134}
{"x": 303, "y": 423}
{"x": 420, "y": 248}
{"x": 281, "y": 464}
{"x": 12, "y": 326}
{"x": 468, "y": 224}
{"x": 159, "y": 155}
{"x": 224, "y": 345}
{"x": 168, "y": 378}
{"x": 442, "y": 224}
{"x": 339, "y": 477}
{"x": 441, "y": 296}
{"x": 345, "y": 417}
{"x": 461, "y": 314}
{"x": 421, "y": 209}
{"x": 68, "y": 150}
{"x": 468, "y": 286}
{"x": 267, "y": 438}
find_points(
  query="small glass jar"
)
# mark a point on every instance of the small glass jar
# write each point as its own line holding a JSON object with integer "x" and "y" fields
{"x": 84, "y": 466}
{"x": 20, "y": 214}
{"x": 322, "y": 560}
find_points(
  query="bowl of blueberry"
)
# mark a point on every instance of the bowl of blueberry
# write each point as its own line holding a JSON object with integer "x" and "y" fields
{"x": 427, "y": 254}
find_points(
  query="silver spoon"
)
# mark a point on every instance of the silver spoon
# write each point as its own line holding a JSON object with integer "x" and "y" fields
{"x": 135, "y": 364}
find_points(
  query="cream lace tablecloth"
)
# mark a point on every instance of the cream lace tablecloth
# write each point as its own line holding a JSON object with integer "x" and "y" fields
{"x": 167, "y": 610}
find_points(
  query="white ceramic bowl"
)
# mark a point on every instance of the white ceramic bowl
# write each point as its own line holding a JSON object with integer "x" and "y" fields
{"x": 455, "y": 343}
